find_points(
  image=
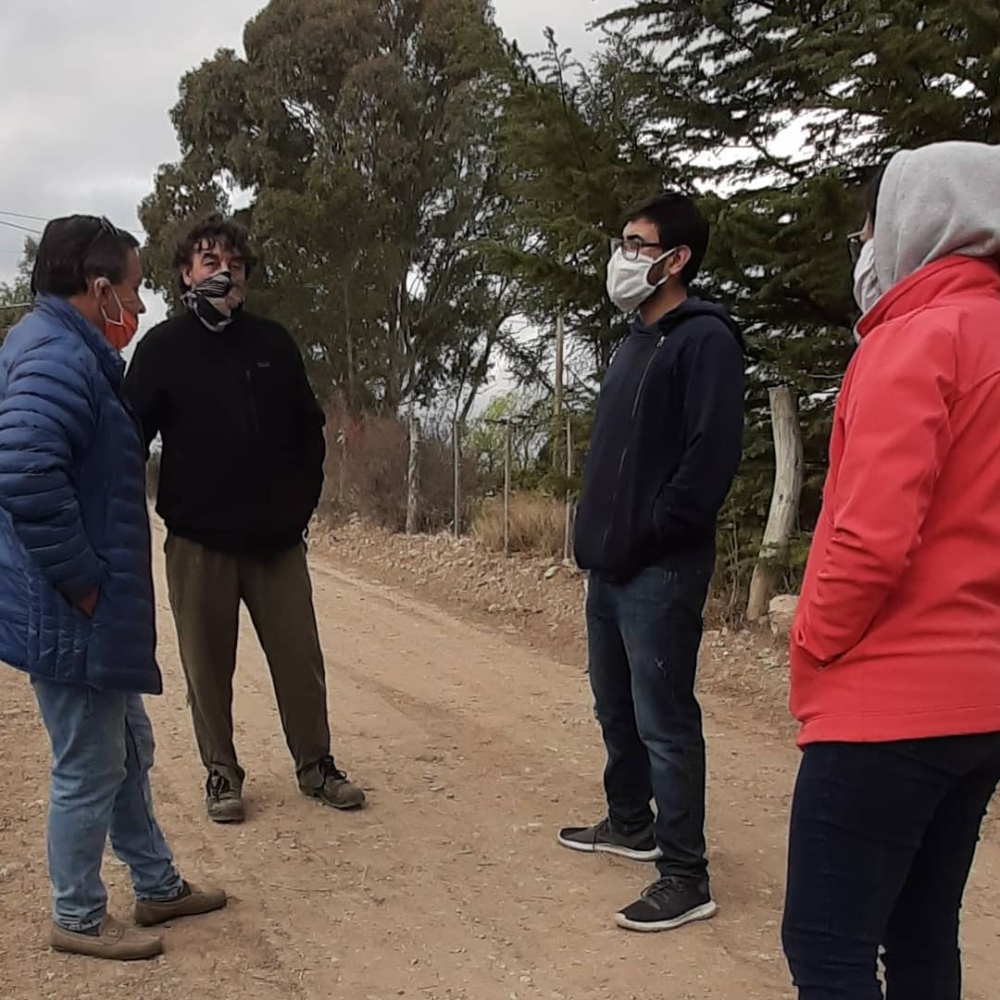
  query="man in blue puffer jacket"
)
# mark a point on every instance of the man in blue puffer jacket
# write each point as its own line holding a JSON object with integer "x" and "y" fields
{"x": 76, "y": 591}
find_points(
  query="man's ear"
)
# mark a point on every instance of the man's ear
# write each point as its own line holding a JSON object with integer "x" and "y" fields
{"x": 679, "y": 261}
{"x": 186, "y": 276}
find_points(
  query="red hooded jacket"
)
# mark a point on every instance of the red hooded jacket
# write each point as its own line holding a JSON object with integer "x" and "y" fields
{"x": 897, "y": 634}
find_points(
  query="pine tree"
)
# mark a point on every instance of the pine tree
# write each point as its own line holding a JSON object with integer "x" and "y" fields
{"x": 784, "y": 109}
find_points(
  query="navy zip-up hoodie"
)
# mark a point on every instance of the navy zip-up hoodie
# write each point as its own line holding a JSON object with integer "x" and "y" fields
{"x": 666, "y": 442}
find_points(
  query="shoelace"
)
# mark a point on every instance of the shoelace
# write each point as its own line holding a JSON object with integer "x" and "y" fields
{"x": 217, "y": 784}
{"x": 328, "y": 768}
{"x": 669, "y": 884}
{"x": 604, "y": 827}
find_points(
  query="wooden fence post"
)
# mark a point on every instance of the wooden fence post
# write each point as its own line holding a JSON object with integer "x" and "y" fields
{"x": 506, "y": 487}
{"x": 456, "y": 445}
{"x": 783, "y": 516}
{"x": 413, "y": 479}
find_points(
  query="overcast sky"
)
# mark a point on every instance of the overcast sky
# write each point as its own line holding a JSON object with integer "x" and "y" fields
{"x": 86, "y": 86}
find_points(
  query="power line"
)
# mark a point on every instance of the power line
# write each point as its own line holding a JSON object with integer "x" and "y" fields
{"x": 24, "y": 229}
{"x": 21, "y": 215}
{"x": 41, "y": 218}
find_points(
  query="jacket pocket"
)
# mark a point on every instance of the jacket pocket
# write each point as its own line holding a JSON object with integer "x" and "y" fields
{"x": 57, "y": 632}
{"x": 798, "y": 656}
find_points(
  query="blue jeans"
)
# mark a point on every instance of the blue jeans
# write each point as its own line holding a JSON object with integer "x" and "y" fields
{"x": 882, "y": 840}
{"x": 102, "y": 751}
{"x": 643, "y": 638}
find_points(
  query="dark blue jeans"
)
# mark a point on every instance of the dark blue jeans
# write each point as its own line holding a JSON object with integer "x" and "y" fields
{"x": 643, "y": 640}
{"x": 882, "y": 840}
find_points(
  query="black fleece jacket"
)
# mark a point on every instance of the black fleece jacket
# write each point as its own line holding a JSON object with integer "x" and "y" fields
{"x": 243, "y": 447}
{"x": 666, "y": 443}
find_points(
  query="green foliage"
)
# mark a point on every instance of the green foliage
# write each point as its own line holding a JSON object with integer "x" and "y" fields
{"x": 776, "y": 114}
{"x": 15, "y": 296}
{"x": 572, "y": 165}
{"x": 485, "y": 440}
{"x": 414, "y": 181}
{"x": 363, "y": 134}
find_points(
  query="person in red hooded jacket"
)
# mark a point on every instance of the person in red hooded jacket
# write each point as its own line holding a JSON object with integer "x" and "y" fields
{"x": 895, "y": 650}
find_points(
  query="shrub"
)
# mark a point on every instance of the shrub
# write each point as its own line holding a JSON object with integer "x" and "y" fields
{"x": 537, "y": 524}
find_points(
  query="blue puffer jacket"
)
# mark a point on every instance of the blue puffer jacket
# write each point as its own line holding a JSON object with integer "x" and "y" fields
{"x": 73, "y": 512}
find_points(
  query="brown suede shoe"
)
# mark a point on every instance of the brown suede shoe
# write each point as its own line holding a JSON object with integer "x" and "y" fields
{"x": 190, "y": 902}
{"x": 115, "y": 942}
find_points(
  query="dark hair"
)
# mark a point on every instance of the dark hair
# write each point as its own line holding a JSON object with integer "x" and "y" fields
{"x": 213, "y": 229}
{"x": 679, "y": 224}
{"x": 871, "y": 192}
{"x": 76, "y": 249}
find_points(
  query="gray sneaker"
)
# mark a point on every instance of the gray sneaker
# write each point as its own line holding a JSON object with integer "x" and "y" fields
{"x": 603, "y": 838}
{"x": 669, "y": 903}
{"x": 331, "y": 786}
{"x": 223, "y": 800}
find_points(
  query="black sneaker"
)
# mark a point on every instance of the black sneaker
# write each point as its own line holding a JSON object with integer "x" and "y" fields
{"x": 667, "y": 904}
{"x": 223, "y": 800}
{"x": 602, "y": 838}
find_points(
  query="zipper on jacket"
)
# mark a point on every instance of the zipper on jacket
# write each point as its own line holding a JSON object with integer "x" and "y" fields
{"x": 628, "y": 440}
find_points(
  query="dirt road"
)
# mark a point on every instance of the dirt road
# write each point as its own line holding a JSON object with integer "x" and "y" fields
{"x": 450, "y": 886}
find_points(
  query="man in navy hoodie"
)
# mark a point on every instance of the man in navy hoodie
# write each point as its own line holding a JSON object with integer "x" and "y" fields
{"x": 664, "y": 450}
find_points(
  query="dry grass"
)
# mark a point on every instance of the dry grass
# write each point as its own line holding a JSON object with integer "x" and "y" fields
{"x": 537, "y": 524}
{"x": 366, "y": 470}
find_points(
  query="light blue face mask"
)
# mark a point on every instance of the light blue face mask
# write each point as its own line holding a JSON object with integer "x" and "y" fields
{"x": 867, "y": 290}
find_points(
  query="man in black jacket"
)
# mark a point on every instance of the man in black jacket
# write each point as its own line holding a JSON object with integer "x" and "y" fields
{"x": 240, "y": 475}
{"x": 664, "y": 449}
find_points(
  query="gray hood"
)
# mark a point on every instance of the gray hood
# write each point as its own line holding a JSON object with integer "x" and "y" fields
{"x": 939, "y": 200}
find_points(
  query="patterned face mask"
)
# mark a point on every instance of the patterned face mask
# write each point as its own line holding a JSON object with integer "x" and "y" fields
{"x": 208, "y": 301}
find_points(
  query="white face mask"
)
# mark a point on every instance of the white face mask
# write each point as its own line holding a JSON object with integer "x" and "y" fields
{"x": 628, "y": 280}
{"x": 867, "y": 290}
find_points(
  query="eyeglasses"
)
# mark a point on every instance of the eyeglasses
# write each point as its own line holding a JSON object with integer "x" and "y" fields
{"x": 855, "y": 241}
{"x": 631, "y": 248}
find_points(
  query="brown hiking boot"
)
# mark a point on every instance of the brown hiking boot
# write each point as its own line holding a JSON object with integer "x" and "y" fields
{"x": 329, "y": 784}
{"x": 190, "y": 902}
{"x": 223, "y": 800}
{"x": 114, "y": 941}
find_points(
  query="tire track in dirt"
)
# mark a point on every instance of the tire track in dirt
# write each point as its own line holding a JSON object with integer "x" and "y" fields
{"x": 451, "y": 885}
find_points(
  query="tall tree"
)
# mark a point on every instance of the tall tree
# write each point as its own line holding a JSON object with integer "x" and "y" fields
{"x": 15, "y": 296}
{"x": 573, "y": 162}
{"x": 362, "y": 133}
{"x": 783, "y": 109}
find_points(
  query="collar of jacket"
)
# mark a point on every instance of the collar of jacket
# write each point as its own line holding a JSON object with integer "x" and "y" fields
{"x": 71, "y": 317}
{"x": 950, "y": 276}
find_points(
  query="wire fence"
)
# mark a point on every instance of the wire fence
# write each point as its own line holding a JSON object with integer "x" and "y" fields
{"x": 493, "y": 478}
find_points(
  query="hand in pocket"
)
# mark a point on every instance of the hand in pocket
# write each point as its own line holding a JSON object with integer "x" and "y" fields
{"x": 86, "y": 605}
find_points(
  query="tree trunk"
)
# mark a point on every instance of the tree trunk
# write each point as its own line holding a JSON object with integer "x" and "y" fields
{"x": 506, "y": 487}
{"x": 557, "y": 401}
{"x": 568, "y": 537}
{"x": 783, "y": 516}
{"x": 456, "y": 446}
{"x": 352, "y": 395}
{"x": 413, "y": 479}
